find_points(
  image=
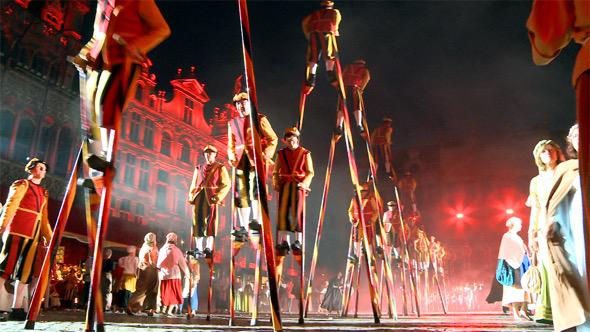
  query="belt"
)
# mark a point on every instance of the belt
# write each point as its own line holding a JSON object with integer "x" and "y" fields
{"x": 29, "y": 211}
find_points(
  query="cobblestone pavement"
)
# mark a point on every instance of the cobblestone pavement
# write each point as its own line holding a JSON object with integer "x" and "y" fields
{"x": 454, "y": 322}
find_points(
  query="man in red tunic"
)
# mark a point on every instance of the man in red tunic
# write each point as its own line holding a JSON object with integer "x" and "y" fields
{"x": 381, "y": 139}
{"x": 291, "y": 178}
{"x": 552, "y": 25}
{"x": 356, "y": 76}
{"x": 240, "y": 153}
{"x": 320, "y": 29}
{"x": 370, "y": 212}
{"x": 24, "y": 220}
{"x": 208, "y": 189}
{"x": 124, "y": 32}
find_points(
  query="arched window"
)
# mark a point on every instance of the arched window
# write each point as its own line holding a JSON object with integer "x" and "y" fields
{"x": 148, "y": 134}
{"x": 165, "y": 144}
{"x": 185, "y": 153}
{"x": 24, "y": 139}
{"x": 64, "y": 151}
{"x": 6, "y": 127}
{"x": 47, "y": 142}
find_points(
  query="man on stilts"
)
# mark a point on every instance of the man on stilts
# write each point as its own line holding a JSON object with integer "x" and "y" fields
{"x": 24, "y": 220}
{"x": 356, "y": 76}
{"x": 321, "y": 29}
{"x": 381, "y": 139}
{"x": 124, "y": 32}
{"x": 240, "y": 152}
{"x": 292, "y": 177}
{"x": 208, "y": 189}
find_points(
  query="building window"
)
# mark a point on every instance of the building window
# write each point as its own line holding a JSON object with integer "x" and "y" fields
{"x": 165, "y": 144}
{"x": 134, "y": 127}
{"x": 148, "y": 134}
{"x": 144, "y": 176}
{"x": 24, "y": 140}
{"x": 6, "y": 127}
{"x": 130, "y": 170}
{"x": 139, "y": 93}
{"x": 163, "y": 177}
{"x": 162, "y": 198}
{"x": 126, "y": 205}
{"x": 139, "y": 209}
{"x": 64, "y": 150}
{"x": 181, "y": 203}
{"x": 185, "y": 154}
{"x": 188, "y": 111}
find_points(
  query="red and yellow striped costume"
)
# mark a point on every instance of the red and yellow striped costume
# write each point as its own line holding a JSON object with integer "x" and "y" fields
{"x": 24, "y": 219}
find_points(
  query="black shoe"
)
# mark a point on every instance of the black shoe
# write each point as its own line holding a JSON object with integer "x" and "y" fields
{"x": 98, "y": 162}
{"x": 296, "y": 248}
{"x": 88, "y": 184}
{"x": 238, "y": 232}
{"x": 353, "y": 259}
{"x": 196, "y": 253}
{"x": 17, "y": 314}
{"x": 338, "y": 132}
{"x": 255, "y": 225}
{"x": 208, "y": 253}
{"x": 282, "y": 248}
{"x": 310, "y": 80}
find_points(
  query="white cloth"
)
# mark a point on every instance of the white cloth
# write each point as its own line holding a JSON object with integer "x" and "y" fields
{"x": 129, "y": 264}
{"x": 171, "y": 262}
{"x": 512, "y": 249}
{"x": 512, "y": 295}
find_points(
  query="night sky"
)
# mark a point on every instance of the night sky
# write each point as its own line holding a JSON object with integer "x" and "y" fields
{"x": 447, "y": 72}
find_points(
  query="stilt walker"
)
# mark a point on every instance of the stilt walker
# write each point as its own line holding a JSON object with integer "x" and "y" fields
{"x": 241, "y": 155}
{"x": 257, "y": 131}
{"x": 292, "y": 177}
{"x": 321, "y": 27}
{"x": 434, "y": 264}
{"x": 208, "y": 189}
{"x": 380, "y": 231}
{"x": 406, "y": 257}
{"x": 124, "y": 31}
{"x": 422, "y": 247}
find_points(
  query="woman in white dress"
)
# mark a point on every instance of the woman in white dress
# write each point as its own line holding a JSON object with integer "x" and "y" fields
{"x": 513, "y": 251}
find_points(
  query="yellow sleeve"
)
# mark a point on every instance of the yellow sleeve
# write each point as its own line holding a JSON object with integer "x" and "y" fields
{"x": 15, "y": 195}
{"x": 338, "y": 19}
{"x": 366, "y": 78}
{"x": 231, "y": 150}
{"x": 309, "y": 171}
{"x": 45, "y": 226}
{"x": 351, "y": 212}
{"x": 223, "y": 186}
{"x": 193, "y": 188}
{"x": 158, "y": 28}
{"x": 270, "y": 136}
